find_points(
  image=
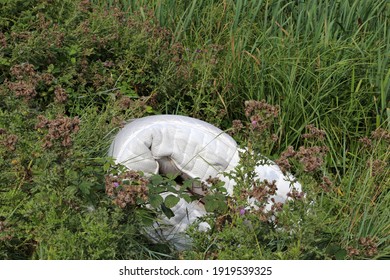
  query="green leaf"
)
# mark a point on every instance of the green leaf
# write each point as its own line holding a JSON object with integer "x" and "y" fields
{"x": 171, "y": 189}
{"x": 168, "y": 212}
{"x": 156, "y": 179}
{"x": 4, "y": 61}
{"x": 215, "y": 202}
{"x": 107, "y": 166}
{"x": 171, "y": 201}
{"x": 155, "y": 200}
{"x": 85, "y": 187}
{"x": 186, "y": 197}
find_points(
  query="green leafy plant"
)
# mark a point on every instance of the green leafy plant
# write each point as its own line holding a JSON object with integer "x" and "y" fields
{"x": 73, "y": 72}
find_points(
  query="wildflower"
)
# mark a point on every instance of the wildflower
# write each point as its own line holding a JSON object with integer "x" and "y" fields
{"x": 25, "y": 89}
{"x": 46, "y": 78}
{"x": 283, "y": 164}
{"x": 236, "y": 126}
{"x": 276, "y": 206}
{"x": 296, "y": 195}
{"x": 125, "y": 102}
{"x": 381, "y": 133}
{"x": 326, "y": 183}
{"x": 351, "y": 251}
{"x": 312, "y": 157}
{"x": 23, "y": 71}
{"x": 134, "y": 188}
{"x": 60, "y": 128}
{"x": 314, "y": 133}
{"x": 262, "y": 190}
{"x": 377, "y": 166}
{"x": 367, "y": 143}
{"x": 60, "y": 95}
{"x": 261, "y": 114}
{"x": 369, "y": 245}
{"x": 242, "y": 211}
{"x": 283, "y": 161}
{"x": 10, "y": 142}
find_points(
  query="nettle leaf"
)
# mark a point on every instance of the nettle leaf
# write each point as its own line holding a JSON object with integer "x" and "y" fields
{"x": 107, "y": 166}
{"x": 168, "y": 212}
{"x": 155, "y": 200}
{"x": 156, "y": 189}
{"x": 85, "y": 187}
{"x": 171, "y": 189}
{"x": 156, "y": 179}
{"x": 171, "y": 176}
{"x": 215, "y": 202}
{"x": 187, "y": 184}
{"x": 171, "y": 201}
{"x": 186, "y": 197}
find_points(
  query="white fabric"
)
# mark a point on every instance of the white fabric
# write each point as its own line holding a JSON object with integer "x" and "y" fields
{"x": 169, "y": 144}
{"x": 193, "y": 149}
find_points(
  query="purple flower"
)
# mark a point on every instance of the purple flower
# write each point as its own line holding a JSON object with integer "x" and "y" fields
{"x": 254, "y": 123}
{"x": 116, "y": 184}
{"x": 242, "y": 211}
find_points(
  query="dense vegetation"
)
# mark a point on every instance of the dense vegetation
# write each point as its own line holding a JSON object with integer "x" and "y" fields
{"x": 305, "y": 83}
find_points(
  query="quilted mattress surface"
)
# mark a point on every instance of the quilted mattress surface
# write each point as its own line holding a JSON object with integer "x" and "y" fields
{"x": 175, "y": 144}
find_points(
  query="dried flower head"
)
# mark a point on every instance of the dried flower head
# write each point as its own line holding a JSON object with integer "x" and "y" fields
{"x": 352, "y": 252}
{"x": 262, "y": 190}
{"x": 277, "y": 207}
{"x": 369, "y": 245}
{"x": 46, "y": 78}
{"x": 377, "y": 166}
{"x": 60, "y": 95}
{"x": 253, "y": 106}
{"x": 10, "y": 142}
{"x": 25, "y": 89}
{"x": 213, "y": 180}
{"x": 261, "y": 114}
{"x": 236, "y": 127}
{"x": 312, "y": 157}
{"x": 296, "y": 195}
{"x": 125, "y": 102}
{"x": 23, "y": 71}
{"x": 326, "y": 184}
{"x": 283, "y": 161}
{"x": 367, "y": 143}
{"x": 59, "y": 129}
{"x": 381, "y": 134}
{"x": 283, "y": 164}
{"x": 127, "y": 189}
{"x": 314, "y": 133}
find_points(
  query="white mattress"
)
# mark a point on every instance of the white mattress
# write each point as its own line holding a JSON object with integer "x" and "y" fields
{"x": 193, "y": 149}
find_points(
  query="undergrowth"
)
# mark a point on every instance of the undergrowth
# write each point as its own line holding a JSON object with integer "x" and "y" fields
{"x": 305, "y": 83}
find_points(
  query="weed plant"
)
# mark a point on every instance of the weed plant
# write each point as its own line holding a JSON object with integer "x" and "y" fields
{"x": 305, "y": 83}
